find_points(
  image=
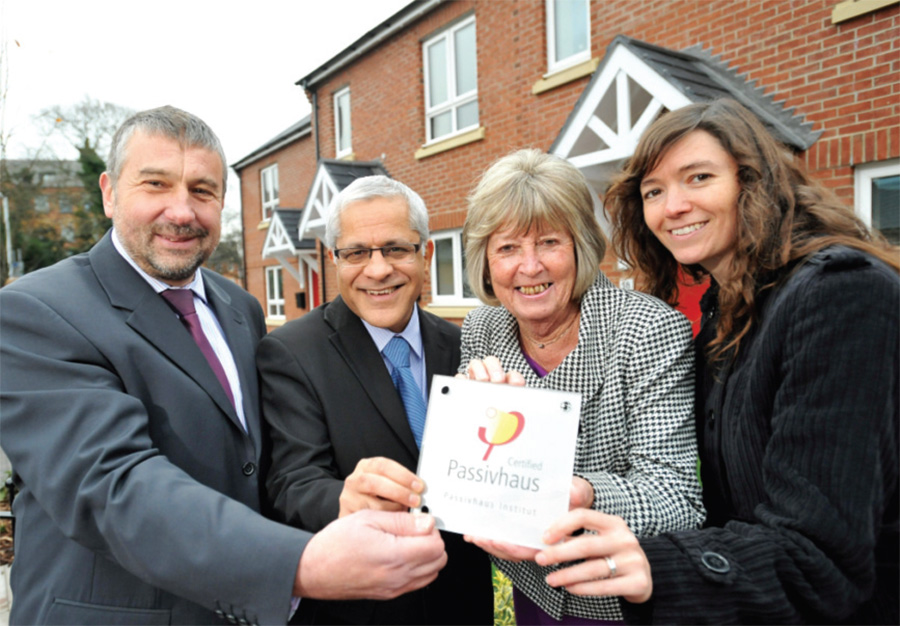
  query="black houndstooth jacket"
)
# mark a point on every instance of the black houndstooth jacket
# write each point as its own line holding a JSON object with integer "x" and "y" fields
{"x": 633, "y": 367}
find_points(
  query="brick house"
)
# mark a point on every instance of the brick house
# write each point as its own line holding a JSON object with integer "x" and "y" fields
{"x": 44, "y": 198}
{"x": 437, "y": 92}
{"x": 59, "y": 191}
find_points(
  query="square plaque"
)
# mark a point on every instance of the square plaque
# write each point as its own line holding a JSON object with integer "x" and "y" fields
{"x": 497, "y": 459}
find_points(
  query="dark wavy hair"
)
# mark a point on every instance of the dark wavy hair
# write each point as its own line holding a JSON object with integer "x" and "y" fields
{"x": 783, "y": 215}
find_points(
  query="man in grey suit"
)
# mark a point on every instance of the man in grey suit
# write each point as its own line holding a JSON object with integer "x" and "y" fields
{"x": 346, "y": 418}
{"x": 129, "y": 407}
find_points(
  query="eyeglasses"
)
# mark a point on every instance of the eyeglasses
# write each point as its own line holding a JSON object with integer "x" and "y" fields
{"x": 395, "y": 254}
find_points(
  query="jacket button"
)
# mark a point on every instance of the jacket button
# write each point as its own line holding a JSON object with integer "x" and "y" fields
{"x": 248, "y": 468}
{"x": 711, "y": 418}
{"x": 716, "y": 562}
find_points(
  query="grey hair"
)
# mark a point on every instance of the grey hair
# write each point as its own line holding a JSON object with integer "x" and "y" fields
{"x": 166, "y": 121}
{"x": 369, "y": 188}
{"x": 525, "y": 189}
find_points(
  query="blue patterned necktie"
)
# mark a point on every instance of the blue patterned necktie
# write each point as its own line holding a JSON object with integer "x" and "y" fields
{"x": 397, "y": 352}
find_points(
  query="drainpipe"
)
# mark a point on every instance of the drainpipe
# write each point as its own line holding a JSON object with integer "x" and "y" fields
{"x": 315, "y": 115}
{"x": 315, "y": 128}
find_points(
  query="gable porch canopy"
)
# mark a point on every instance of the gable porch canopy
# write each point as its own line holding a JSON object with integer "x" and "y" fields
{"x": 636, "y": 82}
{"x": 331, "y": 178}
{"x": 284, "y": 244}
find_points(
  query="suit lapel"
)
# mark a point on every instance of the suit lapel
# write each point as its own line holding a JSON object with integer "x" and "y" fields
{"x": 440, "y": 349}
{"x": 150, "y": 316}
{"x": 355, "y": 345}
{"x": 237, "y": 332}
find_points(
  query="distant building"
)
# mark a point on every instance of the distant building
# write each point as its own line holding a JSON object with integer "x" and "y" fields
{"x": 59, "y": 190}
{"x": 44, "y": 196}
{"x": 434, "y": 94}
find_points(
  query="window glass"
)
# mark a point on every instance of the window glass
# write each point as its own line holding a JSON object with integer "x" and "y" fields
{"x": 443, "y": 254}
{"x": 342, "y": 121}
{"x": 467, "y": 114}
{"x": 886, "y": 207}
{"x": 466, "y": 62}
{"x": 437, "y": 73}
{"x": 269, "y": 191}
{"x": 442, "y": 124}
{"x": 571, "y": 28}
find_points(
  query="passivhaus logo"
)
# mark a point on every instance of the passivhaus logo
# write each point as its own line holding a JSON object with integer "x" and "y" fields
{"x": 502, "y": 427}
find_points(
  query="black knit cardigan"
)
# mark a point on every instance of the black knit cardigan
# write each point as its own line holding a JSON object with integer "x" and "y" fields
{"x": 798, "y": 439}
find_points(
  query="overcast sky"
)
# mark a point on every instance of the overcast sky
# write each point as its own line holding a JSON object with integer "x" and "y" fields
{"x": 231, "y": 62}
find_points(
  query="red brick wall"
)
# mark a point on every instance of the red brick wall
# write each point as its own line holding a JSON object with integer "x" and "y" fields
{"x": 296, "y": 169}
{"x": 843, "y": 78}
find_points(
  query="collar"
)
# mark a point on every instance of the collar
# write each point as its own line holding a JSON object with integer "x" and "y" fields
{"x": 412, "y": 334}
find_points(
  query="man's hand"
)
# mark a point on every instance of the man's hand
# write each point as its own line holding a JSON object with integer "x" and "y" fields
{"x": 381, "y": 484}
{"x": 372, "y": 554}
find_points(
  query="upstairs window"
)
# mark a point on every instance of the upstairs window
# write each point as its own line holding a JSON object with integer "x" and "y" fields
{"x": 878, "y": 197}
{"x": 568, "y": 33}
{"x": 451, "y": 81}
{"x": 269, "y": 190}
{"x": 342, "y": 123}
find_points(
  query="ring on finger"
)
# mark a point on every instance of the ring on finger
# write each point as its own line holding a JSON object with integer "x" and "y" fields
{"x": 613, "y": 570}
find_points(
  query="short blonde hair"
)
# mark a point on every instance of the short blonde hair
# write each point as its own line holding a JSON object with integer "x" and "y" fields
{"x": 530, "y": 188}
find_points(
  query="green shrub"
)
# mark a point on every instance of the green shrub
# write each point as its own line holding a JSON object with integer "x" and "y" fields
{"x": 504, "y": 611}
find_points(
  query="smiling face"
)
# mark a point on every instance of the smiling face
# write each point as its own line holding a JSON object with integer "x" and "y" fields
{"x": 533, "y": 275}
{"x": 382, "y": 294}
{"x": 166, "y": 206}
{"x": 690, "y": 203}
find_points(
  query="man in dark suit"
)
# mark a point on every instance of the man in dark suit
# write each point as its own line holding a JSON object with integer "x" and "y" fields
{"x": 129, "y": 407}
{"x": 344, "y": 437}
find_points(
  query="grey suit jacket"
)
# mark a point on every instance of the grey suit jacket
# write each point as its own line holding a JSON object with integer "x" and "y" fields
{"x": 329, "y": 401}
{"x": 139, "y": 489}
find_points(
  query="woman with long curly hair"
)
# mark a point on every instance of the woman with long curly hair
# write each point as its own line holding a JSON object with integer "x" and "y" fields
{"x": 797, "y": 388}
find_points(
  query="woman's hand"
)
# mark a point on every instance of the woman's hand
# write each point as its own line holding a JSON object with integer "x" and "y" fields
{"x": 503, "y": 550}
{"x": 581, "y": 494}
{"x": 610, "y": 543}
{"x": 490, "y": 370}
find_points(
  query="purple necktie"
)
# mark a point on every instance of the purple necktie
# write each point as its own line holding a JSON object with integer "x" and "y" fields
{"x": 183, "y": 302}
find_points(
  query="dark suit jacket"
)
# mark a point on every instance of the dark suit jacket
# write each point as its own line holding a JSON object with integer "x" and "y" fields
{"x": 139, "y": 489}
{"x": 329, "y": 401}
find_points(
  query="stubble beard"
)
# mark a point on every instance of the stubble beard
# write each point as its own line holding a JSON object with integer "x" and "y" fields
{"x": 170, "y": 266}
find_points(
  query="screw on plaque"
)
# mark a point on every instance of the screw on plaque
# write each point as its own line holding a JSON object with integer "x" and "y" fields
{"x": 445, "y": 390}
{"x": 565, "y": 406}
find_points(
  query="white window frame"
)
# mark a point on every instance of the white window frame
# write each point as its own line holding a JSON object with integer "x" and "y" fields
{"x": 553, "y": 64}
{"x": 454, "y": 101}
{"x": 863, "y": 176}
{"x": 274, "y": 301}
{"x": 267, "y": 176}
{"x": 456, "y": 298}
{"x": 342, "y": 96}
